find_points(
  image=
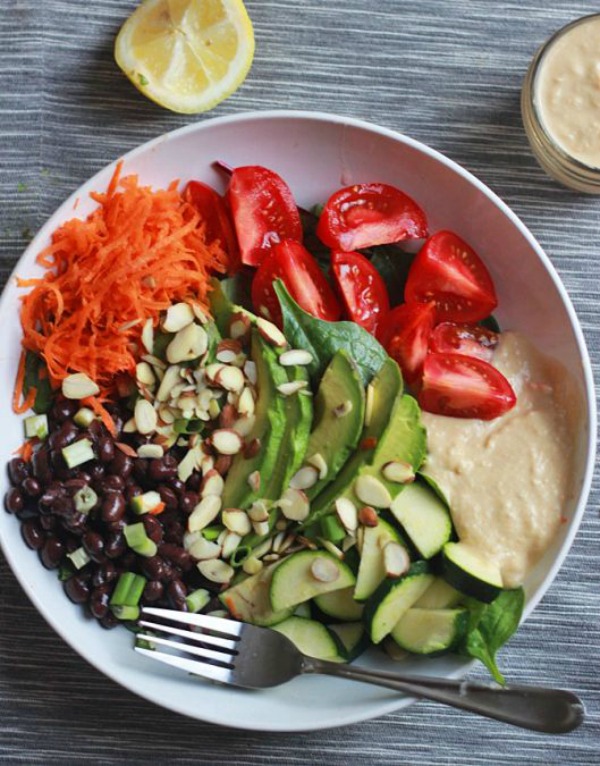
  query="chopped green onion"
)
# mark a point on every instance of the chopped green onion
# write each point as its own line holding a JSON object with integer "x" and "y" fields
{"x": 36, "y": 425}
{"x": 84, "y": 417}
{"x": 145, "y": 502}
{"x": 143, "y": 644}
{"x": 197, "y": 600}
{"x": 240, "y": 555}
{"x": 78, "y": 453}
{"x": 138, "y": 540}
{"x": 211, "y": 533}
{"x": 126, "y": 612}
{"x": 65, "y": 572}
{"x": 185, "y": 427}
{"x": 85, "y": 499}
{"x": 128, "y": 590}
{"x": 332, "y": 529}
{"x": 79, "y": 558}
{"x": 147, "y": 548}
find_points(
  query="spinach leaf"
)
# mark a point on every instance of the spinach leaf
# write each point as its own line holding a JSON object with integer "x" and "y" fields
{"x": 490, "y": 627}
{"x": 237, "y": 288}
{"x": 309, "y": 220}
{"x": 36, "y": 376}
{"x": 323, "y": 339}
{"x": 393, "y": 264}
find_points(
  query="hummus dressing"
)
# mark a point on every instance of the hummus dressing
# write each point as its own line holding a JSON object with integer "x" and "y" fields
{"x": 509, "y": 480}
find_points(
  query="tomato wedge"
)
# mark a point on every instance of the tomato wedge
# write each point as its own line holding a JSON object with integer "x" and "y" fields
{"x": 405, "y": 337}
{"x": 365, "y": 215}
{"x": 448, "y": 271}
{"x": 465, "y": 339}
{"x": 212, "y": 209}
{"x": 264, "y": 212}
{"x": 464, "y": 387}
{"x": 361, "y": 288}
{"x": 306, "y": 283}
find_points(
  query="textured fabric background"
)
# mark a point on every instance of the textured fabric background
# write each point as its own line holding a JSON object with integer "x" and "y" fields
{"x": 446, "y": 73}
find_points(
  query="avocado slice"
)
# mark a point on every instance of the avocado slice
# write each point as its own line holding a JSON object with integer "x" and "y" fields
{"x": 386, "y": 387}
{"x": 335, "y": 436}
{"x": 269, "y": 427}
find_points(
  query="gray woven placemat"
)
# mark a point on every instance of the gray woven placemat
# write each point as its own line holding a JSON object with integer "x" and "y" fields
{"x": 448, "y": 74}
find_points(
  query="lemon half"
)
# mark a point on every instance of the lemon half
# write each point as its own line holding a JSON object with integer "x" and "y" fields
{"x": 186, "y": 55}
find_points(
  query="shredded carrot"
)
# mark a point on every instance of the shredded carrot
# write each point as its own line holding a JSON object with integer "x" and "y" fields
{"x": 25, "y": 451}
{"x": 22, "y": 406}
{"x": 137, "y": 253}
{"x": 93, "y": 403}
{"x": 158, "y": 508}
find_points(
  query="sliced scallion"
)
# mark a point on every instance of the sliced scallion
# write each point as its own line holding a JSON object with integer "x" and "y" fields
{"x": 240, "y": 555}
{"x": 78, "y": 453}
{"x": 79, "y": 557}
{"x": 36, "y": 426}
{"x": 85, "y": 499}
{"x": 126, "y": 612}
{"x": 84, "y": 417}
{"x": 197, "y": 600}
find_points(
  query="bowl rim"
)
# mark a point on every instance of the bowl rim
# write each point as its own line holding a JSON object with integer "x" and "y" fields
{"x": 387, "y": 706}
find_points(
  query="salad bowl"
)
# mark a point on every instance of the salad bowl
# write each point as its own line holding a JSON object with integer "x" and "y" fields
{"x": 316, "y": 154}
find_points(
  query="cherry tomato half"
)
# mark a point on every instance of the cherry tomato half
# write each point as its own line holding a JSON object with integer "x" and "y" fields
{"x": 361, "y": 288}
{"x": 365, "y": 215}
{"x": 264, "y": 212}
{"x": 212, "y": 209}
{"x": 306, "y": 283}
{"x": 465, "y": 339}
{"x": 449, "y": 272}
{"x": 405, "y": 336}
{"x": 464, "y": 387}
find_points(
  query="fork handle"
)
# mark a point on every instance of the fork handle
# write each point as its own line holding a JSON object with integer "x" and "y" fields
{"x": 553, "y": 711}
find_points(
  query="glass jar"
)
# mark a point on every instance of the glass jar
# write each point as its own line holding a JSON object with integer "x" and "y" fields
{"x": 555, "y": 156}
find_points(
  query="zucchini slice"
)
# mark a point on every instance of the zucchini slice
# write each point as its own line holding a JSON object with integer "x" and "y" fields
{"x": 424, "y": 517}
{"x": 249, "y": 600}
{"x": 393, "y": 598}
{"x": 430, "y": 631}
{"x": 353, "y": 637}
{"x": 371, "y": 569}
{"x": 294, "y": 579}
{"x": 439, "y": 595}
{"x": 312, "y": 638}
{"x": 340, "y": 604}
{"x": 470, "y": 573}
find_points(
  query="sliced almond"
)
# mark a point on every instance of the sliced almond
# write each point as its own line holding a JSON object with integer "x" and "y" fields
{"x": 144, "y": 374}
{"x": 271, "y": 333}
{"x": 203, "y": 549}
{"x": 145, "y": 416}
{"x": 395, "y": 559}
{"x": 228, "y": 416}
{"x": 212, "y": 484}
{"x": 207, "y": 463}
{"x": 166, "y": 414}
{"x": 289, "y": 540}
{"x": 261, "y": 528}
{"x": 188, "y": 464}
{"x": 294, "y": 505}
{"x": 246, "y": 404}
{"x": 179, "y": 315}
{"x": 348, "y": 542}
{"x": 277, "y": 540}
{"x": 252, "y": 565}
{"x": 216, "y": 570}
{"x": 78, "y": 386}
{"x": 244, "y": 425}
{"x": 250, "y": 371}
{"x": 305, "y": 478}
{"x": 252, "y": 448}
{"x": 239, "y": 326}
{"x": 230, "y": 544}
{"x": 211, "y": 372}
{"x": 167, "y": 384}
{"x": 154, "y": 361}
{"x": 347, "y": 513}
{"x": 230, "y": 378}
{"x": 204, "y": 513}
{"x": 199, "y": 312}
{"x": 331, "y": 548}
{"x": 324, "y": 569}
{"x": 236, "y": 521}
{"x": 371, "y": 491}
{"x": 147, "y": 336}
{"x": 318, "y": 461}
{"x": 129, "y": 426}
{"x": 222, "y": 464}
{"x": 259, "y": 511}
{"x": 262, "y": 548}
{"x": 254, "y": 481}
{"x": 369, "y": 402}
{"x": 399, "y": 472}
{"x": 153, "y": 451}
{"x": 288, "y": 389}
{"x": 188, "y": 344}
{"x": 227, "y": 441}
{"x": 295, "y": 356}
{"x": 368, "y": 517}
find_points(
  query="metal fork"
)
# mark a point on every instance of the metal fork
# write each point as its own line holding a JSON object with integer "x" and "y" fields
{"x": 258, "y": 658}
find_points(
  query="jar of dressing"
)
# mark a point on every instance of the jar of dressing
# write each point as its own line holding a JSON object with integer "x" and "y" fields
{"x": 560, "y": 103}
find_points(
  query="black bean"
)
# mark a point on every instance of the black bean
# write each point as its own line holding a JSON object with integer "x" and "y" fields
{"x": 140, "y": 469}
{"x": 194, "y": 482}
{"x": 65, "y": 435}
{"x": 48, "y": 522}
{"x": 154, "y": 567}
{"x": 33, "y": 534}
{"x": 128, "y": 560}
{"x": 96, "y": 430}
{"x": 177, "y": 555}
{"x": 77, "y": 589}
{"x": 63, "y": 409}
{"x": 153, "y": 528}
{"x": 75, "y": 522}
{"x": 162, "y": 469}
{"x": 153, "y": 590}
{"x": 72, "y": 543}
{"x": 52, "y": 552}
{"x": 18, "y": 470}
{"x": 109, "y": 621}
{"x": 132, "y": 490}
{"x": 63, "y": 506}
{"x": 96, "y": 472}
{"x": 115, "y": 545}
{"x": 111, "y": 483}
{"x": 99, "y": 602}
{"x": 168, "y": 496}
{"x": 31, "y": 487}
{"x": 94, "y": 545}
{"x": 176, "y": 591}
{"x": 178, "y": 485}
{"x": 14, "y": 501}
{"x": 113, "y": 507}
{"x": 188, "y": 501}
{"x": 106, "y": 449}
{"x": 41, "y": 465}
{"x": 116, "y": 526}
{"x": 170, "y": 573}
{"x": 174, "y": 532}
{"x": 104, "y": 574}
{"x": 121, "y": 465}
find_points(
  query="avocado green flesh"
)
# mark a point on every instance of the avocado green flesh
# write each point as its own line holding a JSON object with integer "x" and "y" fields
{"x": 335, "y": 437}
{"x": 387, "y": 386}
{"x": 269, "y": 428}
{"x": 249, "y": 600}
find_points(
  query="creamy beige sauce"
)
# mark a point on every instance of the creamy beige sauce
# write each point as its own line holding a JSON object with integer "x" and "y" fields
{"x": 567, "y": 92}
{"x": 509, "y": 480}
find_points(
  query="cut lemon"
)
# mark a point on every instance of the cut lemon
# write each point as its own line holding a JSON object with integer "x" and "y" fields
{"x": 187, "y": 55}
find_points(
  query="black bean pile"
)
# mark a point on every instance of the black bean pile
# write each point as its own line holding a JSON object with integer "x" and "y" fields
{"x": 41, "y": 497}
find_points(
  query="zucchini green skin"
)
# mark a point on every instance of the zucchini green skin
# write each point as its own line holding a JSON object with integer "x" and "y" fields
{"x": 431, "y": 631}
{"x": 393, "y": 598}
{"x": 353, "y": 637}
{"x": 424, "y": 517}
{"x": 312, "y": 638}
{"x": 481, "y": 585}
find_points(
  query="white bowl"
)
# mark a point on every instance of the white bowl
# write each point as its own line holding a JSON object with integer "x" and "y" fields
{"x": 316, "y": 154}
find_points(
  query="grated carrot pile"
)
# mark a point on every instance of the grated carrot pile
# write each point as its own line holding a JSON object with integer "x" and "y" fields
{"x": 140, "y": 251}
